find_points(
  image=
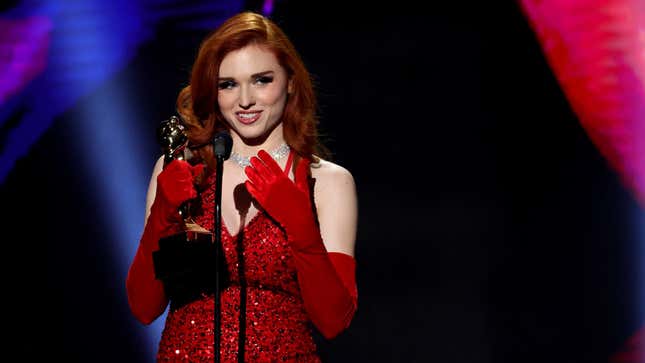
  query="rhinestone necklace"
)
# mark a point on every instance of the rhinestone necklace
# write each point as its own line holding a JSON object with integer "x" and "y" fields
{"x": 277, "y": 154}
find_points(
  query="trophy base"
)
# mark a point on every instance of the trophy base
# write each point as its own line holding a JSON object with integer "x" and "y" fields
{"x": 195, "y": 231}
{"x": 194, "y": 227}
{"x": 186, "y": 264}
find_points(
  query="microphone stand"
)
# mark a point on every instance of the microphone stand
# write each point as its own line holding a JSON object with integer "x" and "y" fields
{"x": 222, "y": 146}
{"x": 218, "y": 242}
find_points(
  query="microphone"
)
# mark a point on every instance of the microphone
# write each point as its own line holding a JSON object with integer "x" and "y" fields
{"x": 222, "y": 145}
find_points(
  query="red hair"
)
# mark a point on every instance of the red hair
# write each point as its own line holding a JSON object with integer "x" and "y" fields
{"x": 197, "y": 103}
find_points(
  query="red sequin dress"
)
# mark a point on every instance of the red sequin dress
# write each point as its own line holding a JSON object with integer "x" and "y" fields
{"x": 263, "y": 300}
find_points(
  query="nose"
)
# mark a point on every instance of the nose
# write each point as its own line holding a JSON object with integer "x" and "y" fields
{"x": 247, "y": 98}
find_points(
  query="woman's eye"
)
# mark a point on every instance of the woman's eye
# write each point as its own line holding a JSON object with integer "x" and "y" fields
{"x": 226, "y": 85}
{"x": 264, "y": 79}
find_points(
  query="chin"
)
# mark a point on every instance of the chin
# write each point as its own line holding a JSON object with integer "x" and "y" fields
{"x": 250, "y": 131}
{"x": 250, "y": 134}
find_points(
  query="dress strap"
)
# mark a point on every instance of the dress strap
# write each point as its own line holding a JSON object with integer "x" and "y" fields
{"x": 287, "y": 166}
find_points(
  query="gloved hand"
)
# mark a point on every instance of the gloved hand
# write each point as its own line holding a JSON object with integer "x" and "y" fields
{"x": 287, "y": 202}
{"x": 174, "y": 186}
{"x": 327, "y": 284}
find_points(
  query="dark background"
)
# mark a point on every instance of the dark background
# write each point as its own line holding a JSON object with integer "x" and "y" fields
{"x": 490, "y": 229}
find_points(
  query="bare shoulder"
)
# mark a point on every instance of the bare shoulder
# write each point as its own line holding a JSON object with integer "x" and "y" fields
{"x": 331, "y": 175}
{"x": 337, "y": 206}
{"x": 152, "y": 185}
{"x": 158, "y": 166}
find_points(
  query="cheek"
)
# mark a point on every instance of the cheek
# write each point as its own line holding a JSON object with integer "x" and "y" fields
{"x": 226, "y": 101}
{"x": 274, "y": 97}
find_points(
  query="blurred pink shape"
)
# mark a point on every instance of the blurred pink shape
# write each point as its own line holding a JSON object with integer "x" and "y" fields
{"x": 24, "y": 45}
{"x": 596, "y": 49}
{"x": 633, "y": 350}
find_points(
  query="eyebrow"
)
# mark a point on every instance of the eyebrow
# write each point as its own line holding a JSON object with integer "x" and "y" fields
{"x": 254, "y": 75}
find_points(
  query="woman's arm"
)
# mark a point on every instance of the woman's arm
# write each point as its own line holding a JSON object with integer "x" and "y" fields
{"x": 174, "y": 185}
{"x": 326, "y": 280}
{"x": 146, "y": 295}
{"x": 337, "y": 207}
{"x": 152, "y": 187}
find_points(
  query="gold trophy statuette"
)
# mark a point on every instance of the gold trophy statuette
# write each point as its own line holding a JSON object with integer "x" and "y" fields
{"x": 172, "y": 138}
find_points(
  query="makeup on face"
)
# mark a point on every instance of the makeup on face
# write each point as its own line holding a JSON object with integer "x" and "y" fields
{"x": 252, "y": 91}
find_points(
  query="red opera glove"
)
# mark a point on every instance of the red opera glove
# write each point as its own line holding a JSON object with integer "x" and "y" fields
{"x": 174, "y": 186}
{"x": 326, "y": 281}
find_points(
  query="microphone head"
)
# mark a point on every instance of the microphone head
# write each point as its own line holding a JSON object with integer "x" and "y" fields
{"x": 222, "y": 145}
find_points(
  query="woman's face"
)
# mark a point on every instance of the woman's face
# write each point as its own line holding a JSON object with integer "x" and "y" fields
{"x": 252, "y": 91}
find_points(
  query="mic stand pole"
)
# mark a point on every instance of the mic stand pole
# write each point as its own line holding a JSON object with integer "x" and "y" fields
{"x": 218, "y": 243}
{"x": 222, "y": 146}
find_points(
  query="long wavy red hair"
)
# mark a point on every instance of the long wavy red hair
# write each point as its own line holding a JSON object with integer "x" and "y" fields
{"x": 197, "y": 102}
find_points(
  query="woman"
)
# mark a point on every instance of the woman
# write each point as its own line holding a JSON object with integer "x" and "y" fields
{"x": 290, "y": 259}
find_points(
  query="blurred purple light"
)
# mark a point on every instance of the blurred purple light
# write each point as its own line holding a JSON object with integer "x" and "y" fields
{"x": 53, "y": 55}
{"x": 24, "y": 44}
{"x": 267, "y": 7}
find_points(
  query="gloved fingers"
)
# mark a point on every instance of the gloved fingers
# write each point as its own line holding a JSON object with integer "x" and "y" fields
{"x": 189, "y": 191}
{"x": 180, "y": 167}
{"x": 197, "y": 170}
{"x": 180, "y": 192}
{"x": 175, "y": 182}
{"x": 262, "y": 170}
{"x": 269, "y": 162}
{"x": 255, "y": 178}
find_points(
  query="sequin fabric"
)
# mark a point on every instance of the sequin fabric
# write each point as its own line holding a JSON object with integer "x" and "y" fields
{"x": 263, "y": 299}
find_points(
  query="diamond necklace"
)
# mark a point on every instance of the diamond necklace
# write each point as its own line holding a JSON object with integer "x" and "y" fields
{"x": 277, "y": 154}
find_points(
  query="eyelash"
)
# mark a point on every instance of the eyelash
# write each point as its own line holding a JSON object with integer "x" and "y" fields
{"x": 264, "y": 79}
{"x": 226, "y": 85}
{"x": 259, "y": 80}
